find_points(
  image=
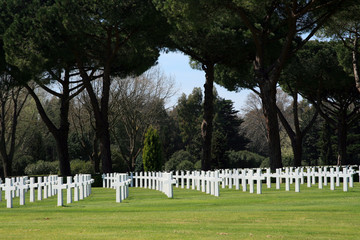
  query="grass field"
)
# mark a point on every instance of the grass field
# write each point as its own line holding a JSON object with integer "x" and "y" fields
{"x": 149, "y": 214}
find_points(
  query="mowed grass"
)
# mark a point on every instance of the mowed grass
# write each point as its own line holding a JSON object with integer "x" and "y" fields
{"x": 149, "y": 214}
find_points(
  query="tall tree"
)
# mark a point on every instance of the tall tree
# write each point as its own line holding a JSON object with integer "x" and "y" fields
{"x": 188, "y": 114}
{"x": 330, "y": 89}
{"x": 102, "y": 39}
{"x": 205, "y": 33}
{"x": 47, "y": 61}
{"x": 83, "y": 124}
{"x": 113, "y": 38}
{"x": 137, "y": 103}
{"x": 299, "y": 72}
{"x": 12, "y": 101}
{"x": 274, "y": 27}
{"x": 345, "y": 26}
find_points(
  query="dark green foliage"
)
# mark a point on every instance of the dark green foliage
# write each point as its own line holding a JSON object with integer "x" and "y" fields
{"x": 152, "y": 151}
{"x": 20, "y": 164}
{"x": 177, "y": 158}
{"x": 119, "y": 163}
{"x": 188, "y": 113}
{"x": 79, "y": 148}
{"x": 139, "y": 164}
{"x": 226, "y": 134}
{"x": 244, "y": 159}
{"x": 42, "y": 168}
{"x": 80, "y": 166}
{"x": 185, "y": 165}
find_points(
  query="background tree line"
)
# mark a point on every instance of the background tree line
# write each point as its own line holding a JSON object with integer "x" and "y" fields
{"x": 81, "y": 65}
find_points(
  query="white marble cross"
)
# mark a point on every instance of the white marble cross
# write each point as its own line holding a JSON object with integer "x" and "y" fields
{"x": 168, "y": 181}
{"x": 268, "y": 177}
{"x": 259, "y": 178}
{"x": 332, "y": 176}
{"x": 22, "y": 186}
{"x": 320, "y": 176}
{"x": 119, "y": 184}
{"x": 337, "y": 171}
{"x": 345, "y": 175}
{"x": 203, "y": 181}
{"x": 236, "y": 178}
{"x": 32, "y": 187}
{"x": 1, "y": 187}
{"x": 250, "y": 179}
{"x": 182, "y": 179}
{"x": 40, "y": 185}
{"x": 277, "y": 176}
{"x": 287, "y": 177}
{"x": 70, "y": 185}
{"x": 59, "y": 187}
{"x": 243, "y": 180}
{"x": 308, "y": 176}
{"x": 297, "y": 175}
{"x": 215, "y": 180}
{"x": 9, "y": 188}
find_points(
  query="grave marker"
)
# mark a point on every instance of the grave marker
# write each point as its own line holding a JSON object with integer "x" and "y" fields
{"x": 32, "y": 187}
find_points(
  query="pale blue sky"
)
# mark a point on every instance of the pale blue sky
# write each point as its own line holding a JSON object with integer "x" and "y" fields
{"x": 177, "y": 66}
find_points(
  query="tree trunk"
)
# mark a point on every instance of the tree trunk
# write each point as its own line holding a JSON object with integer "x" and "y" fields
{"x": 342, "y": 139}
{"x": 7, "y": 163}
{"x": 268, "y": 98}
{"x": 355, "y": 64}
{"x": 105, "y": 151}
{"x": 63, "y": 153}
{"x": 100, "y": 114}
{"x": 207, "y": 124}
{"x": 94, "y": 157}
{"x": 297, "y": 150}
{"x": 60, "y": 134}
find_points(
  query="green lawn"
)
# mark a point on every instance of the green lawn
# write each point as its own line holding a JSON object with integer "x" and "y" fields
{"x": 149, "y": 214}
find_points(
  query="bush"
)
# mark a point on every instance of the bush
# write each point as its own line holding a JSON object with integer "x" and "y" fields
{"x": 244, "y": 159}
{"x": 185, "y": 165}
{"x": 197, "y": 165}
{"x": 79, "y": 166}
{"x": 42, "y": 168}
{"x": 20, "y": 164}
{"x": 139, "y": 166}
{"x": 265, "y": 163}
{"x": 119, "y": 164}
{"x": 152, "y": 151}
{"x": 177, "y": 158}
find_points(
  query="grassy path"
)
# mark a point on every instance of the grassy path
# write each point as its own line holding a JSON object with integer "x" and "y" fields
{"x": 148, "y": 214}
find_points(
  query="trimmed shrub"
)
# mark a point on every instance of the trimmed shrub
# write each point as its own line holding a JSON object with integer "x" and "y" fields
{"x": 119, "y": 164}
{"x": 185, "y": 165}
{"x": 152, "y": 151}
{"x": 244, "y": 159}
{"x": 42, "y": 168}
{"x": 81, "y": 166}
{"x": 197, "y": 165}
{"x": 20, "y": 164}
{"x": 177, "y": 158}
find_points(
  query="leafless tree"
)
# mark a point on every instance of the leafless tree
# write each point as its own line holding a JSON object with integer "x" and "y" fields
{"x": 135, "y": 104}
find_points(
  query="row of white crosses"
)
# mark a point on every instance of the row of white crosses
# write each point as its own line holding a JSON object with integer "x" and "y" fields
{"x": 204, "y": 181}
{"x": 232, "y": 178}
{"x": 291, "y": 175}
{"x": 81, "y": 187}
{"x": 160, "y": 181}
{"x": 47, "y": 187}
{"x": 118, "y": 181}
